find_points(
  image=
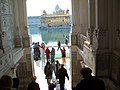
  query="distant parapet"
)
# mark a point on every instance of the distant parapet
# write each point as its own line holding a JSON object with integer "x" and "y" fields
{"x": 60, "y": 12}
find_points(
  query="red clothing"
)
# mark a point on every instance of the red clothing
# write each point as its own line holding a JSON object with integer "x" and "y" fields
{"x": 38, "y": 44}
{"x": 63, "y": 52}
{"x": 47, "y": 51}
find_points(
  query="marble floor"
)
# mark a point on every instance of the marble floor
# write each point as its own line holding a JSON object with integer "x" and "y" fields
{"x": 39, "y": 67}
{"x": 41, "y": 77}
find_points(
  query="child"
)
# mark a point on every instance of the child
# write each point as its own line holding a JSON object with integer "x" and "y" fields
{"x": 52, "y": 85}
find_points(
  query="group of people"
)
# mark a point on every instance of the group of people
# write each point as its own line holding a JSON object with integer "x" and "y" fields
{"x": 38, "y": 50}
{"x": 60, "y": 73}
{"x": 88, "y": 82}
{"x": 44, "y": 53}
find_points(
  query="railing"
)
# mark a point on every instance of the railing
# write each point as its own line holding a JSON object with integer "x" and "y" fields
{"x": 8, "y": 60}
{"x": 81, "y": 39}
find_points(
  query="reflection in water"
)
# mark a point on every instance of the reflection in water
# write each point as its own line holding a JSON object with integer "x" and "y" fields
{"x": 49, "y": 36}
{"x": 33, "y": 29}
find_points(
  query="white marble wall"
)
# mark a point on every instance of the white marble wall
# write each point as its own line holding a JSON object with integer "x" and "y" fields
{"x": 101, "y": 51}
{"x": 15, "y": 41}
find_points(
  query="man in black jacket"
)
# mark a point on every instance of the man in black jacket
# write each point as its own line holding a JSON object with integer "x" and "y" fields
{"x": 33, "y": 85}
{"x": 62, "y": 72}
{"x": 89, "y": 82}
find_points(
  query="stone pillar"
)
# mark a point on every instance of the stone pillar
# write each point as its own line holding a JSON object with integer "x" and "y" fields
{"x": 25, "y": 69}
{"x": 114, "y": 39}
{"x": 83, "y": 14}
{"x": 74, "y": 40}
{"x": 6, "y": 27}
{"x": 83, "y": 22}
{"x": 91, "y": 13}
{"x": 75, "y": 16}
{"x": 79, "y": 20}
{"x": 17, "y": 32}
{"x": 103, "y": 54}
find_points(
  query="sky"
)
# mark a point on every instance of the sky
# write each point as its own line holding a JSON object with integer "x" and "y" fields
{"x": 36, "y": 7}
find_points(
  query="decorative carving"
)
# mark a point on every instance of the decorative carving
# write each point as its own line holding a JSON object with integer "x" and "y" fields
{"x": 3, "y": 1}
{"x": 18, "y": 41}
{"x": 95, "y": 40}
{"x": 6, "y": 26}
{"x": 74, "y": 39}
{"x": 28, "y": 58}
{"x": 118, "y": 33}
{"x": 4, "y": 6}
{"x": 102, "y": 32}
{"x": 26, "y": 41}
{"x": 22, "y": 70}
{"x": 90, "y": 34}
{"x": 3, "y": 34}
{"x": 96, "y": 32}
{"x": 92, "y": 38}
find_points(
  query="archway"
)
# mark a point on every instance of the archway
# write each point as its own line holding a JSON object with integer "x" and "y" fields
{"x": 37, "y": 68}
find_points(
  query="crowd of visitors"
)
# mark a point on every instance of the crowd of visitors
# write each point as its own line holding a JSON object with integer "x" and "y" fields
{"x": 88, "y": 82}
{"x": 43, "y": 53}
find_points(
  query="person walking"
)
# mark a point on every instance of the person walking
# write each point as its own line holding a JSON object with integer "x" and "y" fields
{"x": 48, "y": 72}
{"x": 66, "y": 40}
{"x": 53, "y": 66}
{"x": 89, "y": 82}
{"x": 52, "y": 86}
{"x": 59, "y": 45}
{"x": 62, "y": 73}
{"x": 42, "y": 55}
{"x": 47, "y": 51}
{"x": 38, "y": 54}
{"x": 57, "y": 67}
{"x": 33, "y": 85}
{"x": 52, "y": 55}
{"x": 63, "y": 52}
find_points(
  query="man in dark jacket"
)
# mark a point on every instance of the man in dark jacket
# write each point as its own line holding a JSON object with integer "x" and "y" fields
{"x": 62, "y": 72}
{"x": 89, "y": 82}
{"x": 33, "y": 85}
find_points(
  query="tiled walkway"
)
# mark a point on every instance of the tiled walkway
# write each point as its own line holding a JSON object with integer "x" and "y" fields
{"x": 39, "y": 69}
{"x": 41, "y": 77}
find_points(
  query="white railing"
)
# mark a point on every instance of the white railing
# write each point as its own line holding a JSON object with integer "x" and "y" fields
{"x": 81, "y": 39}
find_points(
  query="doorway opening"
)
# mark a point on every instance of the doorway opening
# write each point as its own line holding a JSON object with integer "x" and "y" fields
{"x": 48, "y": 23}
